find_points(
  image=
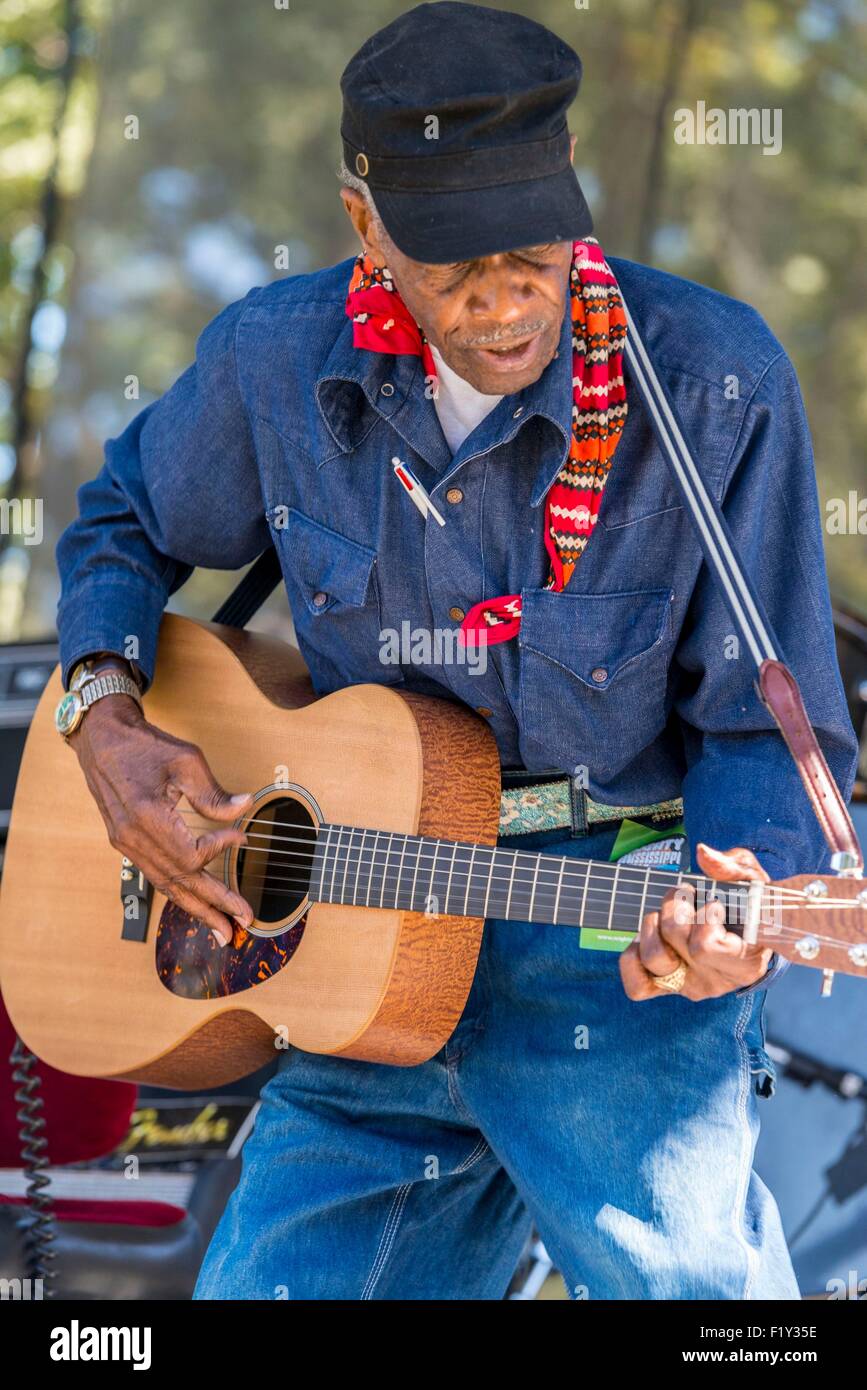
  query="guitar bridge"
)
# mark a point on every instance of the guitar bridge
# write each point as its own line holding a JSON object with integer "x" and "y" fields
{"x": 135, "y": 895}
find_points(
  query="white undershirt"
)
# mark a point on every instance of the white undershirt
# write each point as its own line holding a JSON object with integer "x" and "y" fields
{"x": 459, "y": 406}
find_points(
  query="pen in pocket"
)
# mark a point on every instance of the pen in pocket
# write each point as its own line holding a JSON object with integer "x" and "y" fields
{"x": 410, "y": 483}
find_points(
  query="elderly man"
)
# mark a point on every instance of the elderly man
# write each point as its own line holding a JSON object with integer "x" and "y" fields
{"x": 478, "y": 338}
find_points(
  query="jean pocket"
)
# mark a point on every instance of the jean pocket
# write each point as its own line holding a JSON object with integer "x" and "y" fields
{"x": 334, "y": 596}
{"x": 594, "y": 675}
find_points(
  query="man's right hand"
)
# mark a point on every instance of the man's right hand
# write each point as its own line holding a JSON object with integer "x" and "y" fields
{"x": 137, "y": 774}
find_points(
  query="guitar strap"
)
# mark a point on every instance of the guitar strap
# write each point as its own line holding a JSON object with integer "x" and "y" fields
{"x": 247, "y": 597}
{"x": 775, "y": 685}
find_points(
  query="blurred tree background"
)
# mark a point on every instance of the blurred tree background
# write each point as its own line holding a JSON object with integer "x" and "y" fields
{"x": 115, "y": 251}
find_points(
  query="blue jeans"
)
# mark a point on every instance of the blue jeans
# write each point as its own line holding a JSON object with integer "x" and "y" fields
{"x": 624, "y": 1131}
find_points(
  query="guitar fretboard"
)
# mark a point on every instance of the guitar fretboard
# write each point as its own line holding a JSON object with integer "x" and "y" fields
{"x": 378, "y": 868}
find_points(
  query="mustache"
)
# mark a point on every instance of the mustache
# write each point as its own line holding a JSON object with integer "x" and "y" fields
{"x": 497, "y": 337}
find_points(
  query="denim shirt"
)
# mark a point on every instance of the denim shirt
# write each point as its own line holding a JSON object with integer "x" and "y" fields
{"x": 283, "y": 431}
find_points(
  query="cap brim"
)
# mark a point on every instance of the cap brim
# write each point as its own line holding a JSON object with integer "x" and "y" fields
{"x": 437, "y": 228}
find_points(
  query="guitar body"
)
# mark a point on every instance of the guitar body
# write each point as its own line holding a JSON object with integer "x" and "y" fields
{"x": 173, "y": 1009}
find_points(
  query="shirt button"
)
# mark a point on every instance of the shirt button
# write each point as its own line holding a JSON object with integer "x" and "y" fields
{"x": 320, "y": 599}
{"x": 484, "y": 711}
{"x": 386, "y": 389}
{"x": 454, "y": 495}
{"x": 518, "y": 412}
{"x": 457, "y": 614}
{"x": 599, "y": 675}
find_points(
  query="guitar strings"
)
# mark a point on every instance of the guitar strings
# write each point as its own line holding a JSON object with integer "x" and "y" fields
{"x": 461, "y": 877}
{"x": 573, "y": 877}
{"x": 386, "y": 889}
{"x": 570, "y": 880}
{"x": 460, "y": 872}
{"x": 777, "y": 932}
{"x": 425, "y": 841}
{"x": 314, "y": 836}
{"x": 310, "y": 841}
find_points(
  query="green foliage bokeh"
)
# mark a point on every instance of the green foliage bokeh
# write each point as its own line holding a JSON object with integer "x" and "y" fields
{"x": 238, "y": 110}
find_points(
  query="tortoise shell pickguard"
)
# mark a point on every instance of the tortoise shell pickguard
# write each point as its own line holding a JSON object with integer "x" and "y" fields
{"x": 192, "y": 965}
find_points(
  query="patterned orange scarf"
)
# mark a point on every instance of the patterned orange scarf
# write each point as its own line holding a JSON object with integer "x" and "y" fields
{"x": 382, "y": 323}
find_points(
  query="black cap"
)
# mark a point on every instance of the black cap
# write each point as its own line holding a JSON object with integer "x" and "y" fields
{"x": 455, "y": 117}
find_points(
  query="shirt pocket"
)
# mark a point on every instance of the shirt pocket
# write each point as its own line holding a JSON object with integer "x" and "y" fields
{"x": 594, "y": 675}
{"x": 333, "y": 592}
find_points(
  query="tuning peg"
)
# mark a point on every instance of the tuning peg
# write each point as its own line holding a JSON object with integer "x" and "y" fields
{"x": 827, "y": 984}
{"x": 816, "y": 890}
{"x": 846, "y": 864}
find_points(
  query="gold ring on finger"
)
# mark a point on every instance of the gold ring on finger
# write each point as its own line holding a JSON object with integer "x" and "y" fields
{"x": 673, "y": 982}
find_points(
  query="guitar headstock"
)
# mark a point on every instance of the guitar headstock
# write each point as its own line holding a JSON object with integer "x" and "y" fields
{"x": 818, "y": 920}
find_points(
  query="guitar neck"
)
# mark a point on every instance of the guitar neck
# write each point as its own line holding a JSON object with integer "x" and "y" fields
{"x": 378, "y": 868}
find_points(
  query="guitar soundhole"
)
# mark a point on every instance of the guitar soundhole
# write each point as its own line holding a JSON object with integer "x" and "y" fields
{"x": 273, "y": 869}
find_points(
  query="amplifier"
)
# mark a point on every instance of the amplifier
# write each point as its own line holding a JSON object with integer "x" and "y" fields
{"x": 24, "y": 671}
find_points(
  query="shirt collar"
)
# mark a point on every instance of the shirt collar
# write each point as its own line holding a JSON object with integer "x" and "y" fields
{"x": 394, "y": 387}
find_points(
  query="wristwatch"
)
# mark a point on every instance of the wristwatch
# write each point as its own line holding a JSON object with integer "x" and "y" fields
{"x": 88, "y": 684}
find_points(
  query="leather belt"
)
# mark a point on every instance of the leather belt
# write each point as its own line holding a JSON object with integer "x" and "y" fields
{"x": 531, "y": 802}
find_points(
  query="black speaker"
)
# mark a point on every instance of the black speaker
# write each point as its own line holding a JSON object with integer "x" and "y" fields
{"x": 24, "y": 671}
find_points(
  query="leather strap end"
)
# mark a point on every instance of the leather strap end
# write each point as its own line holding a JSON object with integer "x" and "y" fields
{"x": 780, "y": 694}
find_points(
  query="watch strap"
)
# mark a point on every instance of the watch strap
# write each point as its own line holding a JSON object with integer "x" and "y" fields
{"x": 93, "y": 665}
{"x": 109, "y": 682}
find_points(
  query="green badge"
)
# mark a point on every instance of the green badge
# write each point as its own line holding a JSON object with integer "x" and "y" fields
{"x": 638, "y": 846}
{"x": 644, "y": 847}
{"x": 598, "y": 939}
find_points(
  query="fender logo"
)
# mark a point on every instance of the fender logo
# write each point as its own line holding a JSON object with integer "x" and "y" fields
{"x": 146, "y": 1132}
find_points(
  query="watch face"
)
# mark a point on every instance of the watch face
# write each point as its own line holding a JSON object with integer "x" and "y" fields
{"x": 68, "y": 712}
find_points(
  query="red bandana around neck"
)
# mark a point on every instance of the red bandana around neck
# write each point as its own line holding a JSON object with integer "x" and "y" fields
{"x": 382, "y": 323}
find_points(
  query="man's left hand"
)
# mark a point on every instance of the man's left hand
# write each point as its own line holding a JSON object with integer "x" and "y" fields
{"x": 717, "y": 960}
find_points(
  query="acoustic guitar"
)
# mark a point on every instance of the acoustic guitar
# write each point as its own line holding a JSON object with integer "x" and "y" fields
{"x": 370, "y": 862}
